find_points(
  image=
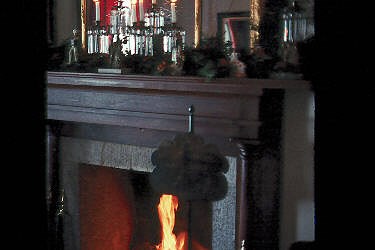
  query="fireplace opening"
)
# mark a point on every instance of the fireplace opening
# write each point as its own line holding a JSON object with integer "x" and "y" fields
{"x": 119, "y": 209}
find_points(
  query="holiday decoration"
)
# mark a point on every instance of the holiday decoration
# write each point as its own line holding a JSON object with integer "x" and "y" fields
{"x": 136, "y": 31}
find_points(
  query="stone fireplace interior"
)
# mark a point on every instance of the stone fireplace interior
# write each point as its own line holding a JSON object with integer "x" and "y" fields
{"x": 110, "y": 203}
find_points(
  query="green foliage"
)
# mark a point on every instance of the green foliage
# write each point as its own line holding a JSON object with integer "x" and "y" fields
{"x": 208, "y": 60}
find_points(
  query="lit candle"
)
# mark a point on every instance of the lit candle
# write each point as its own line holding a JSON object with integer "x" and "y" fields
{"x": 161, "y": 19}
{"x": 132, "y": 44}
{"x": 285, "y": 35}
{"x": 141, "y": 12}
{"x": 173, "y": 11}
{"x": 126, "y": 17}
{"x": 97, "y": 10}
{"x": 134, "y": 11}
{"x": 165, "y": 43}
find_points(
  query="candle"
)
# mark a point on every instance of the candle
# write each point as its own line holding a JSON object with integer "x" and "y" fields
{"x": 141, "y": 12}
{"x": 165, "y": 43}
{"x": 97, "y": 10}
{"x": 127, "y": 17}
{"x": 134, "y": 11}
{"x": 132, "y": 44}
{"x": 173, "y": 11}
{"x": 285, "y": 33}
{"x": 161, "y": 19}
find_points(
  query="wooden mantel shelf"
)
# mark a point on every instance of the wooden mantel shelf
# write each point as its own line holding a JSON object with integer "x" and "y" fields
{"x": 224, "y": 108}
{"x": 172, "y": 83}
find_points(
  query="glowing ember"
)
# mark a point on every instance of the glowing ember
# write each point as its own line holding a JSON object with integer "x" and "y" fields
{"x": 167, "y": 207}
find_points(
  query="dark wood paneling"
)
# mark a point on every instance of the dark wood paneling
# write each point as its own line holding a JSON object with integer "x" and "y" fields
{"x": 175, "y": 123}
{"x": 228, "y": 106}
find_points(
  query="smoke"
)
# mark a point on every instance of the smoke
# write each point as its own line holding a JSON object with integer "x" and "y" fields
{"x": 190, "y": 169}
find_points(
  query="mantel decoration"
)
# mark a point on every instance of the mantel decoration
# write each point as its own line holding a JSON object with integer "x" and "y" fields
{"x": 132, "y": 31}
{"x": 149, "y": 41}
{"x": 133, "y": 37}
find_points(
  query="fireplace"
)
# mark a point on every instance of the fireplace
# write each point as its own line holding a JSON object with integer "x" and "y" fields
{"x": 107, "y": 188}
{"x": 112, "y": 124}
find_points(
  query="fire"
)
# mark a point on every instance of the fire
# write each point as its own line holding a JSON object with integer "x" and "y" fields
{"x": 167, "y": 215}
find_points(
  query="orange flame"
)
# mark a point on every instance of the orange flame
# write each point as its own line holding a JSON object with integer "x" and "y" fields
{"x": 167, "y": 207}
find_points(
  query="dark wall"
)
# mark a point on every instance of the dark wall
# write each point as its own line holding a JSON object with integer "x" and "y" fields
{"x": 344, "y": 99}
{"x": 22, "y": 72}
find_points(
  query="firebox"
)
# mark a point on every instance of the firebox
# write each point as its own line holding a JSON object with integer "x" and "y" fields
{"x": 120, "y": 210}
{"x": 110, "y": 203}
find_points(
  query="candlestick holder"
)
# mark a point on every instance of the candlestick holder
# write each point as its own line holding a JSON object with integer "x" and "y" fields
{"x": 174, "y": 42}
{"x": 153, "y": 35}
{"x": 73, "y": 49}
{"x": 115, "y": 19}
{"x": 93, "y": 40}
{"x": 296, "y": 27}
{"x": 115, "y": 52}
{"x": 155, "y": 19}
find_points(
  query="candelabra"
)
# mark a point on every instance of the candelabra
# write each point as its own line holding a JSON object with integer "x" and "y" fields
{"x": 151, "y": 35}
{"x": 297, "y": 27}
{"x": 174, "y": 42}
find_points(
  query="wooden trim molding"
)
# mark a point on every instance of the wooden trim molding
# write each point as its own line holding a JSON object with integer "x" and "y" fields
{"x": 225, "y": 108}
{"x": 240, "y": 86}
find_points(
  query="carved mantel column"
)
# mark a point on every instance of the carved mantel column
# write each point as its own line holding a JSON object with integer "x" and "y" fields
{"x": 245, "y": 147}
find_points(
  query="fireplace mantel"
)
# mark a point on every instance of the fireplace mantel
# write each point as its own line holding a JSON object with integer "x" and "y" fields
{"x": 173, "y": 83}
{"x": 225, "y": 108}
{"x": 145, "y": 110}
